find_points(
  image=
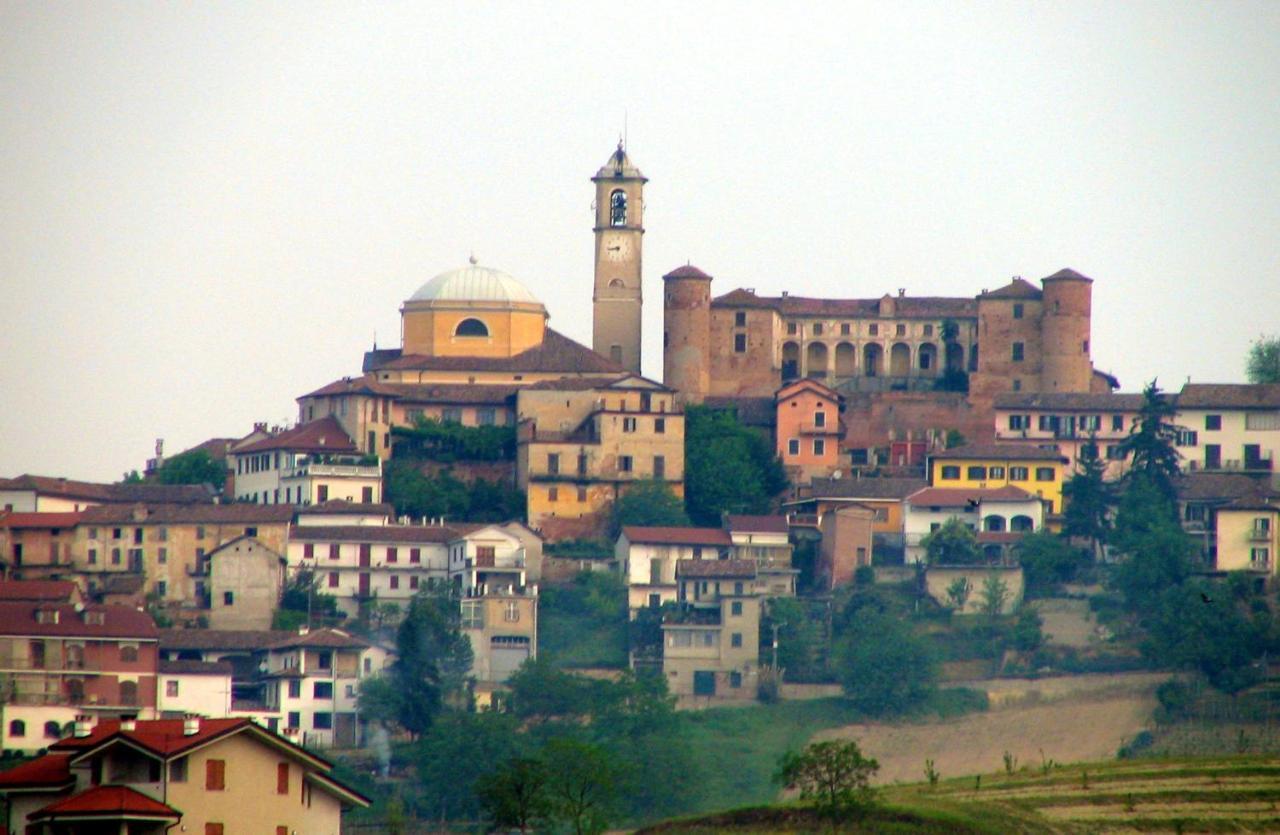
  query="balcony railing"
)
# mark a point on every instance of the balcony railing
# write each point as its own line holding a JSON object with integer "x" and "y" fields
{"x": 48, "y": 665}
{"x": 352, "y": 470}
{"x": 811, "y": 428}
{"x": 1259, "y": 534}
{"x": 495, "y": 562}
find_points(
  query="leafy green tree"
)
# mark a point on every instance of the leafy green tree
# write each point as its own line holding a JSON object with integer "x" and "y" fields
{"x": 1156, "y": 553}
{"x": 1151, "y": 446}
{"x": 195, "y": 466}
{"x": 454, "y": 758}
{"x": 955, "y": 438}
{"x": 515, "y": 795}
{"x": 650, "y": 504}
{"x": 728, "y": 467}
{"x": 883, "y": 666}
{"x": 379, "y": 699}
{"x": 539, "y": 691}
{"x": 1047, "y": 561}
{"x": 1027, "y": 633}
{"x": 958, "y": 592}
{"x": 954, "y": 543}
{"x": 444, "y": 495}
{"x": 1263, "y": 363}
{"x": 1203, "y": 626}
{"x": 993, "y": 596}
{"x": 436, "y": 440}
{"x": 833, "y": 774}
{"x": 302, "y": 603}
{"x": 582, "y": 784}
{"x": 800, "y": 643}
{"x": 433, "y": 658}
{"x": 1088, "y": 499}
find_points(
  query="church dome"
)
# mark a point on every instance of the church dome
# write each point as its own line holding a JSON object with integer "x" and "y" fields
{"x": 474, "y": 283}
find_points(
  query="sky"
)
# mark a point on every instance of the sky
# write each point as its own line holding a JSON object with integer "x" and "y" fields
{"x": 210, "y": 209}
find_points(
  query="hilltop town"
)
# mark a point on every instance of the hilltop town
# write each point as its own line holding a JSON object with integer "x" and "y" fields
{"x": 883, "y": 502}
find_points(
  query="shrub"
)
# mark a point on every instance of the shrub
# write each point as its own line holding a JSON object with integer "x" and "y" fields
{"x": 833, "y": 774}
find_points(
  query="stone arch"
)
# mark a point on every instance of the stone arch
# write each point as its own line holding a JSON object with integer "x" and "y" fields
{"x": 872, "y": 359}
{"x": 993, "y": 523}
{"x": 955, "y": 356}
{"x": 900, "y": 359}
{"x": 816, "y": 360}
{"x": 1022, "y": 524}
{"x": 846, "y": 359}
{"x": 618, "y": 208}
{"x": 471, "y": 327}
{"x": 790, "y": 360}
{"x": 927, "y": 358}
{"x": 616, "y": 283}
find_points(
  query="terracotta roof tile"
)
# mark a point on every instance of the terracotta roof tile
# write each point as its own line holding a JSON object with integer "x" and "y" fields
{"x": 200, "y": 668}
{"x": 110, "y": 493}
{"x": 1071, "y": 402}
{"x": 715, "y": 568}
{"x": 1019, "y": 288}
{"x": 19, "y": 618}
{"x": 1067, "y": 273}
{"x": 962, "y": 497}
{"x": 864, "y": 488}
{"x": 557, "y": 353}
{"x": 676, "y": 536}
{"x": 1225, "y": 486}
{"x": 905, "y": 307}
{"x": 222, "y": 639}
{"x": 1012, "y": 452}
{"x": 324, "y": 638}
{"x": 163, "y": 736}
{"x": 323, "y": 435}
{"x": 38, "y": 590}
{"x": 375, "y": 533}
{"x": 160, "y": 514}
{"x": 49, "y": 770}
{"x": 343, "y": 507}
{"x": 29, "y": 521}
{"x": 687, "y": 271}
{"x": 107, "y": 800}
{"x": 757, "y": 524}
{"x": 1229, "y": 396}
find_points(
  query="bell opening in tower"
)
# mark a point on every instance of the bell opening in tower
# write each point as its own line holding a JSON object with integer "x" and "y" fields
{"x": 618, "y": 208}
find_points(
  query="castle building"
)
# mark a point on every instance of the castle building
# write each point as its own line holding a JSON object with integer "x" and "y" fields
{"x": 1017, "y": 338}
{"x": 619, "y": 232}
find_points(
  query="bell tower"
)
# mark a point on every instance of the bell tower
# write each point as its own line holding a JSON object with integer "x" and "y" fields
{"x": 619, "y": 233}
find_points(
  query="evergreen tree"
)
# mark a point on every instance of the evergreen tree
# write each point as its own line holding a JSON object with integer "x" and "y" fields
{"x": 1152, "y": 445}
{"x": 1088, "y": 500}
{"x": 434, "y": 658}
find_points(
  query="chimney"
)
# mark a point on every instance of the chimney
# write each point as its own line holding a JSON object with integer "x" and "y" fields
{"x": 81, "y": 728}
{"x": 304, "y": 630}
{"x": 128, "y": 723}
{"x": 190, "y": 724}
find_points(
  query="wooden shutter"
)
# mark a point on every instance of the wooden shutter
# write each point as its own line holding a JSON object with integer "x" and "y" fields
{"x": 215, "y": 776}
{"x": 282, "y": 778}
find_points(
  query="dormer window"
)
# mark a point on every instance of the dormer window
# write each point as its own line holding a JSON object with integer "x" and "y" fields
{"x": 618, "y": 208}
{"x": 46, "y": 615}
{"x": 95, "y": 618}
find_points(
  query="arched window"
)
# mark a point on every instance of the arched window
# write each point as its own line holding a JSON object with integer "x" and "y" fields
{"x": 618, "y": 208}
{"x": 615, "y": 282}
{"x": 17, "y": 728}
{"x": 1022, "y": 523}
{"x": 993, "y": 523}
{"x": 128, "y": 692}
{"x": 471, "y": 327}
{"x": 128, "y": 654}
{"x": 52, "y": 730}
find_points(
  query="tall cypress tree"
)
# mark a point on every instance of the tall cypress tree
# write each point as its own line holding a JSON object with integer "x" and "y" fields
{"x": 1152, "y": 446}
{"x": 1088, "y": 499}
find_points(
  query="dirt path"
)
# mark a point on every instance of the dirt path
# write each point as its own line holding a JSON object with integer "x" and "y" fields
{"x": 1070, "y": 719}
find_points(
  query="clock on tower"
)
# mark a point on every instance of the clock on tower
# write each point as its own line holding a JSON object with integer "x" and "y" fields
{"x": 619, "y": 230}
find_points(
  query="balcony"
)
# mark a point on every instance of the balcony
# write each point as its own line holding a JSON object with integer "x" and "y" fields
{"x": 1259, "y": 534}
{"x": 492, "y": 561}
{"x": 49, "y": 665}
{"x": 331, "y": 470}
{"x": 811, "y": 428}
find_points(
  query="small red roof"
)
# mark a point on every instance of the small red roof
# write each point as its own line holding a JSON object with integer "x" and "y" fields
{"x": 323, "y": 435}
{"x": 961, "y": 496}
{"x": 102, "y": 800}
{"x": 163, "y": 736}
{"x": 39, "y": 520}
{"x": 49, "y": 770}
{"x": 676, "y": 536}
{"x": 57, "y": 591}
{"x": 19, "y": 618}
{"x": 758, "y": 524}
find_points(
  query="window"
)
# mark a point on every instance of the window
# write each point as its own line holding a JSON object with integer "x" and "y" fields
{"x": 819, "y": 446}
{"x": 659, "y": 466}
{"x": 873, "y": 329}
{"x": 1017, "y": 352}
{"x": 395, "y": 581}
{"x": 950, "y": 473}
{"x": 1262, "y": 525}
{"x": 334, "y": 550}
{"x": 735, "y": 639}
{"x": 791, "y": 328}
{"x": 413, "y": 582}
{"x": 295, "y": 690}
{"x": 294, "y": 719}
{"x": 393, "y": 555}
{"x": 1044, "y": 474}
{"x": 171, "y": 688}
{"x": 333, "y": 579}
{"x": 115, "y": 556}
{"x": 624, "y": 463}
{"x": 1187, "y": 437}
{"x": 735, "y": 608}
{"x": 228, "y": 598}
{"x": 628, "y": 424}
{"x": 511, "y": 613}
{"x": 845, "y": 329}
{"x": 17, "y": 728}
{"x": 308, "y": 551}
{"x": 213, "y": 829}
{"x": 93, "y": 556}
{"x": 819, "y": 418}
{"x": 215, "y": 778}
{"x": 740, "y": 319}
{"x": 1018, "y": 474}
{"x": 322, "y": 690}
{"x": 553, "y": 494}
{"x": 900, "y": 330}
{"x": 618, "y": 208}
{"x": 1017, "y": 310}
{"x": 740, "y": 343}
{"x": 322, "y": 721}
{"x": 582, "y": 494}
{"x": 1212, "y": 422}
{"x": 793, "y": 446}
{"x": 415, "y": 555}
{"x": 1117, "y": 423}
{"x": 553, "y": 463}
{"x": 487, "y": 416}
{"x": 178, "y": 770}
{"x": 128, "y": 692}
{"x": 995, "y": 472}
{"x": 471, "y": 327}
{"x": 1091, "y": 423}
{"x": 928, "y": 330}
{"x": 735, "y": 679}
{"x": 660, "y": 426}
{"x": 128, "y": 653}
{"x": 1114, "y": 453}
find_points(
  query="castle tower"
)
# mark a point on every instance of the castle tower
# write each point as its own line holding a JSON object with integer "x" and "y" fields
{"x": 619, "y": 231}
{"x": 1065, "y": 328}
{"x": 686, "y": 333}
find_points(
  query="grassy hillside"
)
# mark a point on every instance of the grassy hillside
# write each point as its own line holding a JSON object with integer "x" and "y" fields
{"x": 1221, "y": 794}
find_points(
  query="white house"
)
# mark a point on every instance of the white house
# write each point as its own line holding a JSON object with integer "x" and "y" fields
{"x": 999, "y": 516}
{"x": 311, "y": 463}
{"x": 488, "y": 557}
{"x": 344, "y": 512}
{"x": 202, "y": 688}
{"x": 648, "y": 557}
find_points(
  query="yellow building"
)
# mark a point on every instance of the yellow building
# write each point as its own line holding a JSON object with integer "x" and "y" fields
{"x": 582, "y": 443}
{"x": 216, "y": 776}
{"x": 987, "y": 466}
{"x": 1248, "y": 536}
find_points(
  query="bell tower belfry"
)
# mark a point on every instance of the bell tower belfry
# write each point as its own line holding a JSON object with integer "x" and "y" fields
{"x": 619, "y": 232}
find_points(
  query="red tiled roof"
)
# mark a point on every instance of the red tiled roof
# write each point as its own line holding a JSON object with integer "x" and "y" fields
{"x": 49, "y": 770}
{"x": 109, "y": 493}
{"x": 1224, "y": 486}
{"x": 1067, "y": 274}
{"x": 324, "y": 638}
{"x": 757, "y": 524}
{"x": 38, "y": 590}
{"x": 556, "y": 354}
{"x": 905, "y": 307}
{"x": 592, "y": 383}
{"x": 162, "y": 736}
{"x": 351, "y": 385}
{"x": 221, "y": 639}
{"x": 1015, "y": 452}
{"x": 160, "y": 514}
{"x": 687, "y": 271}
{"x": 107, "y": 800}
{"x": 1019, "y": 288}
{"x": 19, "y": 618}
{"x": 375, "y": 533}
{"x": 794, "y": 387}
{"x": 715, "y": 568}
{"x": 961, "y": 496}
{"x": 676, "y": 536}
{"x": 998, "y": 537}
{"x": 38, "y": 520}
{"x": 1229, "y": 396}
{"x": 1070, "y": 401}
{"x": 863, "y": 488}
{"x": 323, "y": 435}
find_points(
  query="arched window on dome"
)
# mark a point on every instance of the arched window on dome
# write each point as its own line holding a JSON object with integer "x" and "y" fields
{"x": 618, "y": 208}
{"x": 471, "y": 327}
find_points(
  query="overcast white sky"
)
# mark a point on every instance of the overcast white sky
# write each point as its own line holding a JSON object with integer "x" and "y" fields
{"x": 209, "y": 209}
